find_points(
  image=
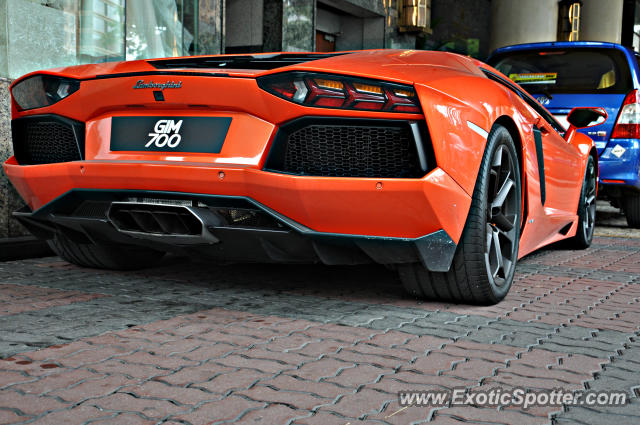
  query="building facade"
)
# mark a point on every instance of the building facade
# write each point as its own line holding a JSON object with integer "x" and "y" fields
{"x": 40, "y": 34}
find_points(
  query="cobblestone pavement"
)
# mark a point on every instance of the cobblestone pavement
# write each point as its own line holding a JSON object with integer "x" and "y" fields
{"x": 270, "y": 344}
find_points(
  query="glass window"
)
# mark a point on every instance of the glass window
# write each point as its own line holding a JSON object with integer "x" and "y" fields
{"x": 101, "y": 31}
{"x": 546, "y": 115}
{"x": 155, "y": 29}
{"x": 567, "y": 71}
{"x": 41, "y": 34}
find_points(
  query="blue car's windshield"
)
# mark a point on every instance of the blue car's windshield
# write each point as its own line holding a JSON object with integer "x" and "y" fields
{"x": 574, "y": 70}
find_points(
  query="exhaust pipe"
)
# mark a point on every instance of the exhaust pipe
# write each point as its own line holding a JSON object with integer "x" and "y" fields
{"x": 178, "y": 224}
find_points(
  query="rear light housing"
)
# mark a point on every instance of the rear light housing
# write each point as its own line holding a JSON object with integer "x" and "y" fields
{"x": 337, "y": 91}
{"x": 39, "y": 91}
{"x": 628, "y": 123}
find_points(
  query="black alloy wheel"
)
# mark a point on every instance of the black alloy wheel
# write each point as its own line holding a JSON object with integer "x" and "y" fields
{"x": 502, "y": 217}
{"x": 586, "y": 207}
{"x": 484, "y": 264}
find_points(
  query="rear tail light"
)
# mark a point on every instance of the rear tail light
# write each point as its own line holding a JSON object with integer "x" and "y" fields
{"x": 628, "y": 124}
{"x": 39, "y": 91}
{"x": 333, "y": 91}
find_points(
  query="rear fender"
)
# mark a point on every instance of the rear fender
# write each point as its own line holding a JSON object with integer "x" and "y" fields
{"x": 585, "y": 146}
{"x": 460, "y": 120}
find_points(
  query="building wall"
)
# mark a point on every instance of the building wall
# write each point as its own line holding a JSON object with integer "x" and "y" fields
{"x": 462, "y": 29}
{"x": 327, "y": 21}
{"x": 373, "y": 33}
{"x": 9, "y": 199}
{"x": 244, "y": 24}
{"x": 4, "y": 43}
{"x": 601, "y": 20}
{"x": 298, "y": 25}
{"x": 515, "y": 22}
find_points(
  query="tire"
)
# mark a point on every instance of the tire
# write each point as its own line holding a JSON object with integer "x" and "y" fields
{"x": 484, "y": 263}
{"x": 112, "y": 257}
{"x": 586, "y": 208}
{"x": 631, "y": 208}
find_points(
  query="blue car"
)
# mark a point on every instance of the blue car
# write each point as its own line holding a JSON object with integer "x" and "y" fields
{"x": 564, "y": 75}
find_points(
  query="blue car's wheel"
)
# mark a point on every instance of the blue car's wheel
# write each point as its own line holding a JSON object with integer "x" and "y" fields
{"x": 631, "y": 207}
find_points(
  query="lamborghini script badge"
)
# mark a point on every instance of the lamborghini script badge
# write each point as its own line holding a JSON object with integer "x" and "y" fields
{"x": 140, "y": 84}
{"x": 166, "y": 133}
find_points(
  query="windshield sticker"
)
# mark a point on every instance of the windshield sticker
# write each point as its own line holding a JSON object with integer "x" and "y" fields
{"x": 535, "y": 78}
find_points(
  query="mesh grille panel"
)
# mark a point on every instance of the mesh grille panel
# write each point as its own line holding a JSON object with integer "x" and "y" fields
{"x": 97, "y": 209}
{"x": 44, "y": 142}
{"x": 352, "y": 151}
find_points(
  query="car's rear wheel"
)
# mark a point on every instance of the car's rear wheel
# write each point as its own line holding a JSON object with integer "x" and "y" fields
{"x": 586, "y": 208}
{"x": 484, "y": 263}
{"x": 631, "y": 208}
{"x": 113, "y": 257}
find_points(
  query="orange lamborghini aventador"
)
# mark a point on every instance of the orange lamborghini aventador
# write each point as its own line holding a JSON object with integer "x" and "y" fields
{"x": 431, "y": 163}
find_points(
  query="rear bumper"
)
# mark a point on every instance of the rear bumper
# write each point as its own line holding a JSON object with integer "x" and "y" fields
{"x": 286, "y": 241}
{"x": 424, "y": 217}
{"x": 622, "y": 171}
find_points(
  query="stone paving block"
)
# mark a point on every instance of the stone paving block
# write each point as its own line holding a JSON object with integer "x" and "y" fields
{"x": 360, "y": 405}
{"x": 129, "y": 370}
{"x": 321, "y": 369}
{"x": 227, "y": 409}
{"x": 579, "y": 347}
{"x": 392, "y": 386}
{"x": 447, "y": 382}
{"x": 196, "y": 346}
{"x": 261, "y": 365}
{"x": 9, "y": 416}
{"x": 425, "y": 343}
{"x": 237, "y": 379}
{"x": 317, "y": 348}
{"x": 73, "y": 415}
{"x": 62, "y": 379}
{"x": 10, "y": 378}
{"x": 584, "y": 415}
{"x": 488, "y": 352}
{"x": 209, "y": 351}
{"x": 272, "y": 414}
{"x": 325, "y": 418}
{"x": 294, "y": 399}
{"x": 469, "y": 414}
{"x": 93, "y": 388}
{"x": 361, "y": 374}
{"x": 288, "y": 359}
{"x": 435, "y": 363}
{"x": 15, "y": 299}
{"x": 396, "y": 414}
{"x": 473, "y": 368}
{"x": 391, "y": 339}
{"x": 194, "y": 375}
{"x": 124, "y": 402}
{"x": 362, "y": 355}
{"x": 28, "y": 404}
{"x": 177, "y": 395}
{"x": 123, "y": 418}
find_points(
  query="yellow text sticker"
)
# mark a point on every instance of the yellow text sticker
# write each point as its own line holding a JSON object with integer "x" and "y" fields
{"x": 535, "y": 78}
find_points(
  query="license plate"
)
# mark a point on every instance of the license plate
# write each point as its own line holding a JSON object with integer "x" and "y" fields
{"x": 169, "y": 134}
